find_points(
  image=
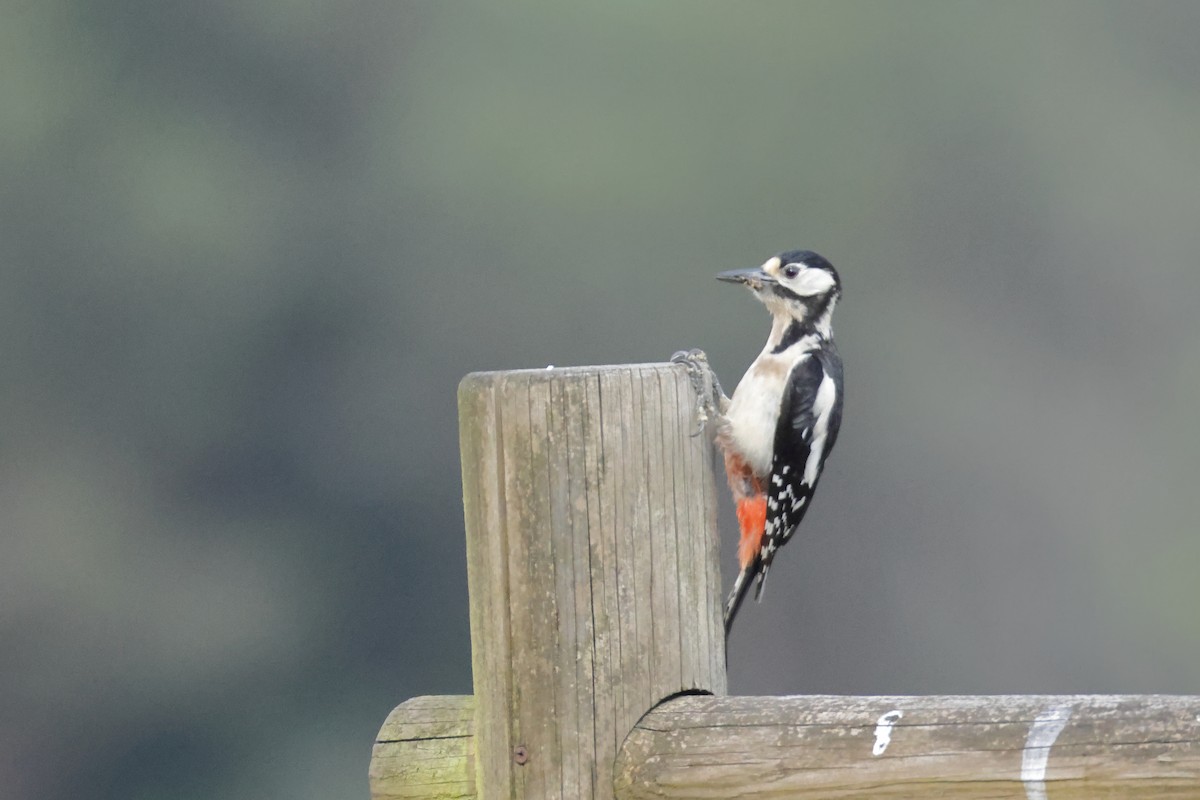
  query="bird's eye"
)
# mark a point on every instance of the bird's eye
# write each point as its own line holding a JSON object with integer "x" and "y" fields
{"x": 791, "y": 270}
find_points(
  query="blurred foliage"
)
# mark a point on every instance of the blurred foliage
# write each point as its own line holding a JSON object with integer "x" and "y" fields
{"x": 249, "y": 249}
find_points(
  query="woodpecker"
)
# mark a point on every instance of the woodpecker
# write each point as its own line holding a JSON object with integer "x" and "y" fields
{"x": 783, "y": 419}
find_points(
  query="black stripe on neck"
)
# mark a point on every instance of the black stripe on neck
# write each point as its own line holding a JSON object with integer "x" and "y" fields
{"x": 798, "y": 329}
{"x": 795, "y": 331}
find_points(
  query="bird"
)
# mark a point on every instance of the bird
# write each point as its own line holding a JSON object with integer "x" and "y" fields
{"x": 782, "y": 421}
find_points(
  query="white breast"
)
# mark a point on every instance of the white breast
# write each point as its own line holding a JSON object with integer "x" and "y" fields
{"x": 754, "y": 409}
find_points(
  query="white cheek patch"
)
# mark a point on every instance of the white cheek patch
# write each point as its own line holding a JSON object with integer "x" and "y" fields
{"x": 811, "y": 282}
{"x": 771, "y": 266}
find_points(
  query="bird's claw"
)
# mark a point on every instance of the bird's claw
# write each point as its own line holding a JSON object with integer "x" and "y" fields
{"x": 709, "y": 396}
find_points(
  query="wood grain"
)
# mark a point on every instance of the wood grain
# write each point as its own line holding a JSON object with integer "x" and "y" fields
{"x": 964, "y": 747}
{"x": 425, "y": 749}
{"x": 592, "y": 564}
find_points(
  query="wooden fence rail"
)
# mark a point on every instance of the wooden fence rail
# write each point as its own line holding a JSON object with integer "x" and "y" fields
{"x": 598, "y": 653}
{"x": 1082, "y": 746}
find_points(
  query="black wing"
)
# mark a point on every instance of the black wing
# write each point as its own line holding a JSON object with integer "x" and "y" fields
{"x": 808, "y": 425}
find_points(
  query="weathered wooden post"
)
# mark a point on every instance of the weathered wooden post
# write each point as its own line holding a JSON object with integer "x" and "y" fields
{"x": 593, "y": 574}
{"x": 590, "y": 521}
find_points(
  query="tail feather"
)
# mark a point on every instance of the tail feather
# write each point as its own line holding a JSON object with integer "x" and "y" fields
{"x": 741, "y": 587}
{"x": 761, "y": 581}
{"x": 754, "y": 575}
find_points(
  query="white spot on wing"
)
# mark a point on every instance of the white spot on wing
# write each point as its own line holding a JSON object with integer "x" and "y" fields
{"x": 823, "y": 407}
{"x": 883, "y": 731}
{"x": 1042, "y": 735}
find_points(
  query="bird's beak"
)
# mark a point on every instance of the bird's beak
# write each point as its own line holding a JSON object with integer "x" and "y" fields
{"x": 753, "y": 278}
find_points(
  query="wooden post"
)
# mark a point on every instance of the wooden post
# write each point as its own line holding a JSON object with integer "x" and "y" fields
{"x": 592, "y": 564}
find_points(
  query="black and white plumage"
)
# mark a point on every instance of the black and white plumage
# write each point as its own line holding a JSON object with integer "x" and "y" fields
{"x": 782, "y": 422}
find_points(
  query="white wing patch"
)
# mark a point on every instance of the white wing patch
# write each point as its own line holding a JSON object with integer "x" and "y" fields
{"x": 822, "y": 408}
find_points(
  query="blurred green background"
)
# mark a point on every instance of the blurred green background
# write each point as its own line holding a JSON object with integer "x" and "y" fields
{"x": 247, "y": 250}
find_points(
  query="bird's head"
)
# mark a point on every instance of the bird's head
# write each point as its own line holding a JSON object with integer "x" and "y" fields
{"x": 799, "y": 284}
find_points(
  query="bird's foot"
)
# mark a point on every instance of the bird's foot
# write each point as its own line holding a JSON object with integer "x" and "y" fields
{"x": 710, "y": 399}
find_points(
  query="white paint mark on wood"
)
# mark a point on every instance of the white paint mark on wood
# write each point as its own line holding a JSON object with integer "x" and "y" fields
{"x": 1042, "y": 735}
{"x": 883, "y": 731}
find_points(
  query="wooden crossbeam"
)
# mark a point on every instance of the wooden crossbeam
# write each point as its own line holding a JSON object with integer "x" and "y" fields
{"x": 1024, "y": 746}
